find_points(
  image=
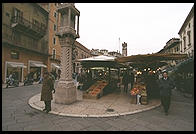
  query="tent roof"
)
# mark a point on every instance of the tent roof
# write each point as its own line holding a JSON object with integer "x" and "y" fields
{"x": 99, "y": 58}
{"x": 101, "y": 61}
{"x": 151, "y": 57}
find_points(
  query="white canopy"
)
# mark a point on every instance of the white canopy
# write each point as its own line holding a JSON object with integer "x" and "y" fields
{"x": 14, "y": 64}
{"x": 55, "y": 65}
{"x": 38, "y": 65}
{"x": 99, "y": 58}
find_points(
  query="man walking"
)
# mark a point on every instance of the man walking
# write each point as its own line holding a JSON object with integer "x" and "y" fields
{"x": 46, "y": 93}
{"x": 131, "y": 79}
{"x": 165, "y": 85}
{"x": 125, "y": 81}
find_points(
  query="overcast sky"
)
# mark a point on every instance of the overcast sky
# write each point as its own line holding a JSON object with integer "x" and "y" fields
{"x": 145, "y": 27}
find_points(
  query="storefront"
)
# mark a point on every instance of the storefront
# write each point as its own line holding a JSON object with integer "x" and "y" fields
{"x": 55, "y": 67}
{"x": 36, "y": 68}
{"x": 15, "y": 67}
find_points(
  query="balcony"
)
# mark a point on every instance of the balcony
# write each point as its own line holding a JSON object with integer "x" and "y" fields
{"x": 27, "y": 27}
{"x": 22, "y": 41}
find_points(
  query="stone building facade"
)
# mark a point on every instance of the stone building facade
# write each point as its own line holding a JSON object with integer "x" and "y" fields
{"x": 104, "y": 51}
{"x": 80, "y": 52}
{"x": 114, "y": 53}
{"x": 172, "y": 46}
{"x": 54, "y": 48}
{"x": 24, "y": 39}
{"x": 96, "y": 52}
{"x": 186, "y": 34}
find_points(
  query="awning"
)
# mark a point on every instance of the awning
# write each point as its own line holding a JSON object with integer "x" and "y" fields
{"x": 151, "y": 57}
{"x": 55, "y": 65}
{"x": 38, "y": 65}
{"x": 16, "y": 65}
{"x": 99, "y": 58}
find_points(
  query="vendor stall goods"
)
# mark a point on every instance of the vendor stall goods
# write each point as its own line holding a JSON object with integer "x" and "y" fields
{"x": 139, "y": 89}
{"x": 95, "y": 91}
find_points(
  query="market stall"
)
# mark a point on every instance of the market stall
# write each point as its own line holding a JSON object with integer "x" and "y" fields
{"x": 104, "y": 75}
{"x": 147, "y": 69}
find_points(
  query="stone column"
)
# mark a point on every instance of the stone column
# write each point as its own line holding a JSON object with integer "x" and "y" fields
{"x": 66, "y": 90}
{"x": 69, "y": 17}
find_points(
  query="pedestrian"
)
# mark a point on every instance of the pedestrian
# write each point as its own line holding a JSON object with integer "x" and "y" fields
{"x": 46, "y": 93}
{"x": 165, "y": 85}
{"x": 35, "y": 76}
{"x": 132, "y": 79}
{"x": 125, "y": 81}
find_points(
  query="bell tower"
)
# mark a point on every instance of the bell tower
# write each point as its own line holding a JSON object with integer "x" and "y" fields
{"x": 67, "y": 34}
{"x": 124, "y": 49}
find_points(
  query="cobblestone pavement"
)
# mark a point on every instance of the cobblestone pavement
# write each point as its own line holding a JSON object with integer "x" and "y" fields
{"x": 18, "y": 115}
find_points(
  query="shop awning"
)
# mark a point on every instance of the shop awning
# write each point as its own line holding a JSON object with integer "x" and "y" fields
{"x": 151, "y": 57}
{"x": 55, "y": 65}
{"x": 99, "y": 58}
{"x": 38, "y": 65}
{"x": 16, "y": 65}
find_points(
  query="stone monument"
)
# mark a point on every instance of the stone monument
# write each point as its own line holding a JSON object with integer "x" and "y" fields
{"x": 66, "y": 89}
{"x": 124, "y": 49}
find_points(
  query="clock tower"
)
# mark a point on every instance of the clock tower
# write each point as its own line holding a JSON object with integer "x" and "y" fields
{"x": 124, "y": 49}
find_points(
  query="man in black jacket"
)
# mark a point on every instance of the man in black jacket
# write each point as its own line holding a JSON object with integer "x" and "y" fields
{"x": 165, "y": 85}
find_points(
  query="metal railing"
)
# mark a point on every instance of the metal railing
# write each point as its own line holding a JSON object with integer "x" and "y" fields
{"x": 9, "y": 36}
{"x": 22, "y": 21}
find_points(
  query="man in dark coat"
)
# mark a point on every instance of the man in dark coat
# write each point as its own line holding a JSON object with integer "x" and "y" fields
{"x": 125, "y": 81}
{"x": 132, "y": 79}
{"x": 165, "y": 85}
{"x": 46, "y": 93}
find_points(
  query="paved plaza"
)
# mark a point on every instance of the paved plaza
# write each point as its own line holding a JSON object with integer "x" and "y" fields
{"x": 117, "y": 103}
{"x": 18, "y": 115}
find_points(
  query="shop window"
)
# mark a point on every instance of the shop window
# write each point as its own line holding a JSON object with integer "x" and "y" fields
{"x": 14, "y": 54}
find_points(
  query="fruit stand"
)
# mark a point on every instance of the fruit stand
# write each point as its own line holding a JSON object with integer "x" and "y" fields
{"x": 96, "y": 90}
{"x": 139, "y": 94}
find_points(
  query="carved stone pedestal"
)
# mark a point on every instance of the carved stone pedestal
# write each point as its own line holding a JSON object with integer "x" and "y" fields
{"x": 66, "y": 92}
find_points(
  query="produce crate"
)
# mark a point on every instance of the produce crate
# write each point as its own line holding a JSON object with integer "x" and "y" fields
{"x": 93, "y": 96}
{"x": 144, "y": 100}
{"x": 133, "y": 99}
